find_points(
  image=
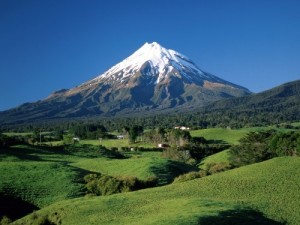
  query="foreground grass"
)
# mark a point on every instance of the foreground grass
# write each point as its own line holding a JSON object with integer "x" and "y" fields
{"x": 263, "y": 193}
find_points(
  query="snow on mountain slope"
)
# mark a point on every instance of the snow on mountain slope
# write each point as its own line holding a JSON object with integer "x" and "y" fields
{"x": 161, "y": 60}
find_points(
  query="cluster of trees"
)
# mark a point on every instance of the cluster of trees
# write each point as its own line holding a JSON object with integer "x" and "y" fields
{"x": 133, "y": 132}
{"x": 264, "y": 145}
{"x": 6, "y": 141}
{"x": 182, "y": 146}
{"x": 89, "y": 131}
{"x": 173, "y": 137}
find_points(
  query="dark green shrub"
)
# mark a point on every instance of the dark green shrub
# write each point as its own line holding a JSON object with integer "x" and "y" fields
{"x": 114, "y": 149}
{"x": 99, "y": 184}
{"x": 260, "y": 146}
{"x": 285, "y": 144}
{"x": 177, "y": 154}
{"x": 151, "y": 182}
{"x": 252, "y": 149}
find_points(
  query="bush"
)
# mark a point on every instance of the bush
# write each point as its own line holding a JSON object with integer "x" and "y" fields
{"x": 285, "y": 144}
{"x": 252, "y": 149}
{"x": 177, "y": 154}
{"x": 261, "y": 146}
{"x": 114, "y": 149}
{"x": 99, "y": 184}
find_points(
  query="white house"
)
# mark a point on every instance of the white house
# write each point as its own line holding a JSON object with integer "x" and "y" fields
{"x": 182, "y": 128}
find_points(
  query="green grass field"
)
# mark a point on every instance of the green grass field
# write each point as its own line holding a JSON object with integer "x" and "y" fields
{"x": 263, "y": 193}
{"x": 50, "y": 178}
{"x": 227, "y": 135}
{"x": 219, "y": 157}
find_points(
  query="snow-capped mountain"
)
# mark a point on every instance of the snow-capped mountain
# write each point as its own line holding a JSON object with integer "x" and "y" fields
{"x": 152, "y": 78}
{"x": 160, "y": 60}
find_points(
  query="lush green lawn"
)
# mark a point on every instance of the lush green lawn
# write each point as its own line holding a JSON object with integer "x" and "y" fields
{"x": 227, "y": 135}
{"x": 263, "y": 193}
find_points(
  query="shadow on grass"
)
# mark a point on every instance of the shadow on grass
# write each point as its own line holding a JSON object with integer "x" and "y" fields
{"x": 167, "y": 172}
{"x": 15, "y": 208}
{"x": 238, "y": 217}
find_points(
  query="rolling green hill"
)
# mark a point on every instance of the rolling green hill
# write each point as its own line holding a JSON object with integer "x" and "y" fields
{"x": 281, "y": 103}
{"x": 263, "y": 193}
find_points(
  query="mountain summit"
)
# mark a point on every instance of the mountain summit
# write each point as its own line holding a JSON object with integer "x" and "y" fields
{"x": 158, "y": 64}
{"x": 160, "y": 61}
{"x": 153, "y": 78}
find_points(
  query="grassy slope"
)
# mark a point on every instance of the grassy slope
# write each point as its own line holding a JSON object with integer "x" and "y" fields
{"x": 39, "y": 183}
{"x": 143, "y": 167}
{"x": 39, "y": 176}
{"x": 220, "y": 157}
{"x": 267, "y": 187}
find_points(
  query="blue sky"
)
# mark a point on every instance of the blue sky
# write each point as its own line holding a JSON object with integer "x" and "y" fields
{"x": 47, "y": 45}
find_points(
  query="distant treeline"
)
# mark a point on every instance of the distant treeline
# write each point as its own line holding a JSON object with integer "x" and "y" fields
{"x": 195, "y": 120}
